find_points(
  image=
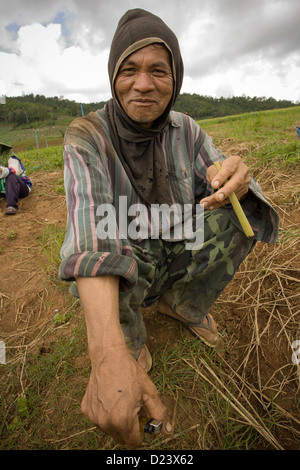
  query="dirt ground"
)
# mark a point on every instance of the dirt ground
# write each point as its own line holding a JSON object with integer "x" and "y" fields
{"x": 259, "y": 310}
{"x": 23, "y": 279}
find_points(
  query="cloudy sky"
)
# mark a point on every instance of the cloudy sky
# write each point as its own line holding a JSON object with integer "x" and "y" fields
{"x": 229, "y": 47}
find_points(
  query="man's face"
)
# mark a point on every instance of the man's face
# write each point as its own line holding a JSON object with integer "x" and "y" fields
{"x": 144, "y": 84}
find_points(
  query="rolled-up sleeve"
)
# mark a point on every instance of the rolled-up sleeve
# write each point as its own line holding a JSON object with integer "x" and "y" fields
{"x": 84, "y": 253}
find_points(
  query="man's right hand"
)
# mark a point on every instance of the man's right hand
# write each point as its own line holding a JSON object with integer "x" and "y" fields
{"x": 117, "y": 388}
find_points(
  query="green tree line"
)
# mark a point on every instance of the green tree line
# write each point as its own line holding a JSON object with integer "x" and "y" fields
{"x": 204, "y": 107}
{"x": 28, "y": 109}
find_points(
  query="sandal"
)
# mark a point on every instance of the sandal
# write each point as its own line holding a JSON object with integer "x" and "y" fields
{"x": 11, "y": 210}
{"x": 144, "y": 358}
{"x": 209, "y": 334}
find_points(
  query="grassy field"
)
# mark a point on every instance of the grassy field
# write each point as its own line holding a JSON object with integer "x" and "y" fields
{"x": 35, "y": 137}
{"x": 269, "y": 136}
{"x": 247, "y": 399}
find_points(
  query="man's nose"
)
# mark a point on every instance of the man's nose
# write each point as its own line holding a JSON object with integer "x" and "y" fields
{"x": 143, "y": 82}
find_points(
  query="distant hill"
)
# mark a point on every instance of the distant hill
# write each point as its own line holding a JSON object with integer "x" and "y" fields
{"x": 30, "y": 110}
{"x": 204, "y": 107}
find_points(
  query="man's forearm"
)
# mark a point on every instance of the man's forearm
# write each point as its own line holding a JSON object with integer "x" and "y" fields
{"x": 100, "y": 300}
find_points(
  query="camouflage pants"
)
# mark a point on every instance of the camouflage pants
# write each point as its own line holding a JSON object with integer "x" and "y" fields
{"x": 189, "y": 281}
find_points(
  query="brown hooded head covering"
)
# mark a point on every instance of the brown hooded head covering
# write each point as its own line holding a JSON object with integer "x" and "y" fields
{"x": 139, "y": 148}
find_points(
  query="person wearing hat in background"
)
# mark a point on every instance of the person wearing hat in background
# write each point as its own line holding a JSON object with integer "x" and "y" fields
{"x": 14, "y": 184}
{"x": 138, "y": 149}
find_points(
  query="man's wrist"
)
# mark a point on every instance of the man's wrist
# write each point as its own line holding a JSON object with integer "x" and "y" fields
{"x": 106, "y": 352}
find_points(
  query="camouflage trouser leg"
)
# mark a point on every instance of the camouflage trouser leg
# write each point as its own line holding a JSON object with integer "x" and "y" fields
{"x": 189, "y": 281}
{"x": 211, "y": 268}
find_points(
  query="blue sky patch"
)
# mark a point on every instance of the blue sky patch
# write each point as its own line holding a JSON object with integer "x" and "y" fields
{"x": 13, "y": 29}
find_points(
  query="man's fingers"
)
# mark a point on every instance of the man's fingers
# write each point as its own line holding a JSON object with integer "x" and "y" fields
{"x": 157, "y": 410}
{"x": 116, "y": 437}
{"x": 233, "y": 177}
{"x": 211, "y": 173}
{"x": 127, "y": 433}
{"x": 229, "y": 167}
{"x": 123, "y": 430}
{"x": 134, "y": 437}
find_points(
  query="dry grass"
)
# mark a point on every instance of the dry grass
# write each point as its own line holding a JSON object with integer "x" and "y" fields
{"x": 265, "y": 298}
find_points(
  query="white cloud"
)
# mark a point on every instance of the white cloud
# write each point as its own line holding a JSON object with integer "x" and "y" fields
{"x": 252, "y": 78}
{"x": 229, "y": 46}
{"x": 242, "y": 53}
{"x": 44, "y": 66}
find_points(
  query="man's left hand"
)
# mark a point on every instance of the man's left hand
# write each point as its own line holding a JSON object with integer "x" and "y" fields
{"x": 235, "y": 177}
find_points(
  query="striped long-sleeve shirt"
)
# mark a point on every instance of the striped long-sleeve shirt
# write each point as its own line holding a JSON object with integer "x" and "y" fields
{"x": 98, "y": 188}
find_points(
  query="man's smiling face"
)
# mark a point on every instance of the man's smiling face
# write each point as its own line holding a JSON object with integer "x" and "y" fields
{"x": 144, "y": 84}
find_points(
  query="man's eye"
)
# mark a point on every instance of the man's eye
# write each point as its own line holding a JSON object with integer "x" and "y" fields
{"x": 128, "y": 71}
{"x": 158, "y": 72}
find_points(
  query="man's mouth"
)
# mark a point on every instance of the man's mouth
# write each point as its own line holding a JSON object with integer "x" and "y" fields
{"x": 143, "y": 101}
